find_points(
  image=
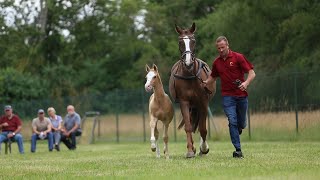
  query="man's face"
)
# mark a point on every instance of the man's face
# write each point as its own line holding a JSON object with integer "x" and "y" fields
{"x": 8, "y": 112}
{"x": 41, "y": 115}
{"x": 222, "y": 48}
{"x": 70, "y": 110}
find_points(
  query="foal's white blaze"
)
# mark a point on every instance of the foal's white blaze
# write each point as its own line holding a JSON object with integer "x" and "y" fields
{"x": 149, "y": 77}
{"x": 187, "y": 45}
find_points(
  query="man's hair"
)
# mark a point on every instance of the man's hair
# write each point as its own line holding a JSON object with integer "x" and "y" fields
{"x": 222, "y": 38}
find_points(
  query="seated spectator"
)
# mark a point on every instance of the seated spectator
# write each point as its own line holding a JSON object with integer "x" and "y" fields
{"x": 41, "y": 127}
{"x": 71, "y": 128}
{"x": 56, "y": 122}
{"x": 11, "y": 127}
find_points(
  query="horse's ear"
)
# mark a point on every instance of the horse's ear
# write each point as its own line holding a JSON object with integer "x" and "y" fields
{"x": 147, "y": 68}
{"x": 178, "y": 29}
{"x": 155, "y": 67}
{"x": 193, "y": 28}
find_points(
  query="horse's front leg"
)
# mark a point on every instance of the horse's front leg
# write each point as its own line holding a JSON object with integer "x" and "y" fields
{"x": 204, "y": 147}
{"x": 153, "y": 124}
{"x": 184, "y": 106}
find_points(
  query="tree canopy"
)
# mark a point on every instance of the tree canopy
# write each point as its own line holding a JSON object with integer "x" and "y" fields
{"x": 71, "y": 47}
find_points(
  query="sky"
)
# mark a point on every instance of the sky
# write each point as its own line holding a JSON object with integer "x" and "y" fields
{"x": 32, "y": 8}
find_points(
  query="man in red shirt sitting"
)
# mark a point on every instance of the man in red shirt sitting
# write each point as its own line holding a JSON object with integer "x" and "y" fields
{"x": 231, "y": 66}
{"x": 11, "y": 126}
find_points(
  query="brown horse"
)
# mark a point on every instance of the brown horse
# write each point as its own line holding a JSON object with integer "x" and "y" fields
{"x": 160, "y": 108}
{"x": 186, "y": 87}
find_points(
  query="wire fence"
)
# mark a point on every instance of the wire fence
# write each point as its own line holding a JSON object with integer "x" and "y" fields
{"x": 281, "y": 107}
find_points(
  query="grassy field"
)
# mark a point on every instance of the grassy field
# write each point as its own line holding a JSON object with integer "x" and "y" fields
{"x": 263, "y": 160}
{"x": 264, "y": 127}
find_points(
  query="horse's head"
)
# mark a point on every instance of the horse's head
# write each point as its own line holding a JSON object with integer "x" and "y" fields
{"x": 187, "y": 44}
{"x": 152, "y": 75}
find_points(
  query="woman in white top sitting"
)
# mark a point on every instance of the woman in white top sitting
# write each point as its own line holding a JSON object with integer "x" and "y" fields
{"x": 56, "y": 122}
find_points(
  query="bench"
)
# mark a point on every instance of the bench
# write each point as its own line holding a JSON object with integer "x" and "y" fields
{"x": 7, "y": 146}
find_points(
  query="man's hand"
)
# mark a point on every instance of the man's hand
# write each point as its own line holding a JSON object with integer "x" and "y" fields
{"x": 65, "y": 133}
{"x": 10, "y": 135}
{"x": 243, "y": 86}
{"x": 4, "y": 124}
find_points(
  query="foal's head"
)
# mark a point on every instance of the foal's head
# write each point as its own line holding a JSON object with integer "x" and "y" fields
{"x": 187, "y": 44}
{"x": 152, "y": 77}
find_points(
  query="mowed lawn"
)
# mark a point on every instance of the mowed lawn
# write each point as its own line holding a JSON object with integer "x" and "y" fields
{"x": 263, "y": 160}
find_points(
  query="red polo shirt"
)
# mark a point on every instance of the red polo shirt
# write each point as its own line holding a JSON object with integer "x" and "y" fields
{"x": 13, "y": 123}
{"x": 234, "y": 67}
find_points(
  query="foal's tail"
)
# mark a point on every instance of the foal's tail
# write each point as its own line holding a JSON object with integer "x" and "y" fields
{"x": 194, "y": 114}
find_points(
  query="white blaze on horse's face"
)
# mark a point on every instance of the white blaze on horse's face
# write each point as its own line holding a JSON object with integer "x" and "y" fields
{"x": 186, "y": 41}
{"x": 149, "y": 84}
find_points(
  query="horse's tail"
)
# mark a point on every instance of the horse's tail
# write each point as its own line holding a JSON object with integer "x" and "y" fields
{"x": 194, "y": 114}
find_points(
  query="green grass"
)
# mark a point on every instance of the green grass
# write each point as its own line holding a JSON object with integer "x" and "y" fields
{"x": 263, "y": 160}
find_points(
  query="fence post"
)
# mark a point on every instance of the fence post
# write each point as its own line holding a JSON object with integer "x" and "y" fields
{"x": 174, "y": 126}
{"x": 296, "y": 102}
{"x": 143, "y": 117}
{"x": 99, "y": 130}
{"x": 117, "y": 115}
{"x": 209, "y": 128}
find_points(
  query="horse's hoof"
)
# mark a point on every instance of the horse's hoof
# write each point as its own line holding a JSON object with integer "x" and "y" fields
{"x": 190, "y": 154}
{"x": 153, "y": 149}
{"x": 202, "y": 153}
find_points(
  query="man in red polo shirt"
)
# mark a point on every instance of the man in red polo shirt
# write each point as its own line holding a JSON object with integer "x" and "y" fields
{"x": 11, "y": 126}
{"x": 231, "y": 66}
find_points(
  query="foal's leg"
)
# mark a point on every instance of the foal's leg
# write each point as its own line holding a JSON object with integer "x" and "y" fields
{"x": 184, "y": 106}
{"x": 165, "y": 140}
{"x": 156, "y": 134}
{"x": 153, "y": 124}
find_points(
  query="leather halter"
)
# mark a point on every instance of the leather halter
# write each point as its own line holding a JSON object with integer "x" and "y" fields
{"x": 196, "y": 76}
{"x": 186, "y": 52}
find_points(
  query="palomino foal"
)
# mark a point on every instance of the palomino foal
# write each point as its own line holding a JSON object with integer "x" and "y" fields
{"x": 160, "y": 108}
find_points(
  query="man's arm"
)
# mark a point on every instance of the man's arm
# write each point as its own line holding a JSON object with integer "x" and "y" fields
{"x": 48, "y": 128}
{"x": 210, "y": 80}
{"x": 3, "y": 125}
{"x": 18, "y": 129}
{"x": 75, "y": 127}
{"x": 10, "y": 135}
{"x": 245, "y": 84}
{"x": 34, "y": 129}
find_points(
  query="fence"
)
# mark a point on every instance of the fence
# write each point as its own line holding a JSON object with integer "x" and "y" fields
{"x": 281, "y": 107}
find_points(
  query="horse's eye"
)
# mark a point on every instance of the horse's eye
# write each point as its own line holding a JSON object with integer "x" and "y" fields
{"x": 154, "y": 77}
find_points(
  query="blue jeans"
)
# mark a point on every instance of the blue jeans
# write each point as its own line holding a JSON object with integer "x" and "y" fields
{"x": 235, "y": 109}
{"x": 71, "y": 141}
{"x": 35, "y": 137}
{"x": 17, "y": 138}
{"x": 56, "y": 137}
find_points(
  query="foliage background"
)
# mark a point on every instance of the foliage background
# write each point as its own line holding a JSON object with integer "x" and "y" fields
{"x": 61, "y": 48}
